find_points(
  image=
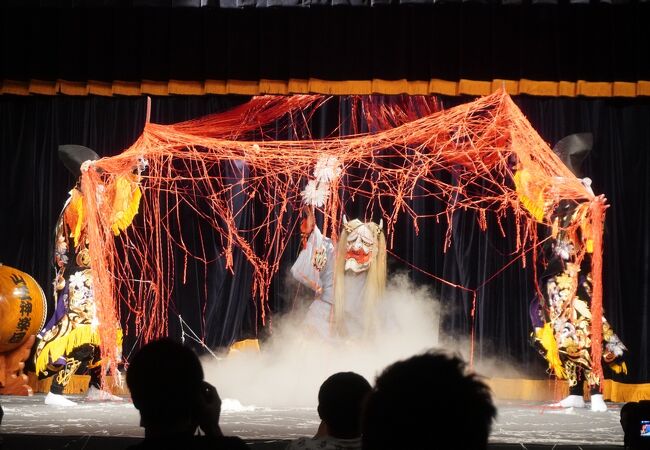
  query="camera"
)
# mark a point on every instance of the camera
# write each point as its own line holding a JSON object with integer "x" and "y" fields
{"x": 635, "y": 420}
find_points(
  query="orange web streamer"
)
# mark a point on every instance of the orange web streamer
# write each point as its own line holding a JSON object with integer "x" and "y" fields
{"x": 479, "y": 140}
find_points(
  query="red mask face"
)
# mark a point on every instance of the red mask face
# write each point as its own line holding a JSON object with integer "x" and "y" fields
{"x": 358, "y": 255}
{"x": 360, "y": 244}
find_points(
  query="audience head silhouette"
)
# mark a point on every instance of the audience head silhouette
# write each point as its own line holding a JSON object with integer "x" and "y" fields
{"x": 165, "y": 379}
{"x": 340, "y": 401}
{"x": 428, "y": 401}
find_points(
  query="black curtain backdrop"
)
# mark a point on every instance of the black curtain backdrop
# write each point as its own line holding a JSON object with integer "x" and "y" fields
{"x": 552, "y": 42}
{"x": 34, "y": 185}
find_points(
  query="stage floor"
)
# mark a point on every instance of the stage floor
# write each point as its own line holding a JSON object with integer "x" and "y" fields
{"x": 518, "y": 422}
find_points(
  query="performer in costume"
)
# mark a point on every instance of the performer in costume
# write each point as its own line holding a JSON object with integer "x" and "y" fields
{"x": 69, "y": 342}
{"x": 562, "y": 318}
{"x": 348, "y": 278}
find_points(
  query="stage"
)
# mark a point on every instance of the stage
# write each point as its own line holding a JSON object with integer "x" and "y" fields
{"x": 28, "y": 423}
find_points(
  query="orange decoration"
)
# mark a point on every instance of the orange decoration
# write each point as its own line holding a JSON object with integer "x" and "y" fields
{"x": 482, "y": 143}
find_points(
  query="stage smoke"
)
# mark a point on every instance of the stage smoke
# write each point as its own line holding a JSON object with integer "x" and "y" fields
{"x": 291, "y": 365}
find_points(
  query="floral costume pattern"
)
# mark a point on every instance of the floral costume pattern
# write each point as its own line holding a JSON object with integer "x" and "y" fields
{"x": 564, "y": 311}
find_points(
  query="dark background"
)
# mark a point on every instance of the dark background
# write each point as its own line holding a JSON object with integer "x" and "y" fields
{"x": 472, "y": 41}
{"x": 34, "y": 186}
{"x": 448, "y": 41}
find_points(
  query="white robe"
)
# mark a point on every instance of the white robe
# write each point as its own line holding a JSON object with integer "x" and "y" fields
{"x": 320, "y": 313}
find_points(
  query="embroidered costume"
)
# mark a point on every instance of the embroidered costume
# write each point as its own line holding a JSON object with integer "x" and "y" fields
{"x": 562, "y": 316}
{"x": 69, "y": 342}
{"x": 566, "y": 287}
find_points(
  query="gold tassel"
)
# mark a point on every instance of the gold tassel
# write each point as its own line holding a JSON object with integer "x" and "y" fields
{"x": 53, "y": 350}
{"x": 118, "y": 340}
{"x": 126, "y": 203}
{"x": 546, "y": 337}
{"x": 619, "y": 368}
{"x": 535, "y": 206}
{"x": 78, "y": 205}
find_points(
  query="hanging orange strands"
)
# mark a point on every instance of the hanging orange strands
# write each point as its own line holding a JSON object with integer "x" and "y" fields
{"x": 216, "y": 167}
{"x": 597, "y": 211}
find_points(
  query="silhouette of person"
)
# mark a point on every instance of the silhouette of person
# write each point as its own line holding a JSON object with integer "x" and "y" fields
{"x": 167, "y": 387}
{"x": 428, "y": 401}
{"x": 340, "y": 401}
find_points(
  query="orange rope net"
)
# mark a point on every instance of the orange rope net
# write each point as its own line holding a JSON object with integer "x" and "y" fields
{"x": 483, "y": 141}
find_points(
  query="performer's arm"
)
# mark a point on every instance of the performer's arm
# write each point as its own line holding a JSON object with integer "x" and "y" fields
{"x": 314, "y": 257}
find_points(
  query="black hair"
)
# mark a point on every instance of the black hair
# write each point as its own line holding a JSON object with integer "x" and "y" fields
{"x": 340, "y": 401}
{"x": 165, "y": 380}
{"x": 426, "y": 401}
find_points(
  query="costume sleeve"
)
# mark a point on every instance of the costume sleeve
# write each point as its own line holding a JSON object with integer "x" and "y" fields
{"x": 314, "y": 265}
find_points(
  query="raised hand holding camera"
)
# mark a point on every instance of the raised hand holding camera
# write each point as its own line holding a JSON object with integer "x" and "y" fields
{"x": 209, "y": 410}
